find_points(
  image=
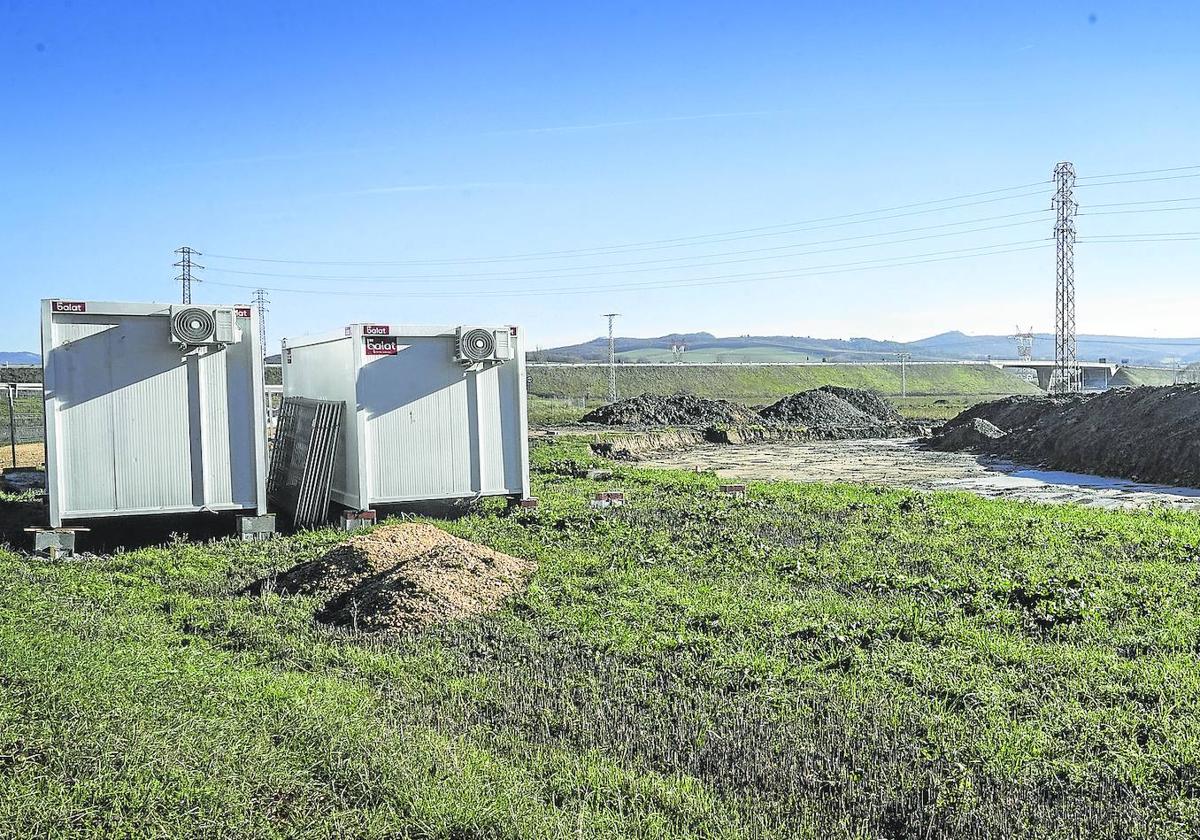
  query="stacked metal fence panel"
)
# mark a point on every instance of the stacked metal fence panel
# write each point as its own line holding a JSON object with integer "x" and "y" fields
{"x": 306, "y": 437}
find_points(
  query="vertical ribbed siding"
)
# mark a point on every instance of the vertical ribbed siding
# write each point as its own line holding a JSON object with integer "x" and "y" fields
{"x": 82, "y": 379}
{"x": 218, "y": 482}
{"x": 487, "y": 431}
{"x": 150, "y": 440}
{"x": 419, "y": 440}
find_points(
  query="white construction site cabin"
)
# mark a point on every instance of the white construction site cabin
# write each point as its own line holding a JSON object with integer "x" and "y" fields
{"x": 432, "y": 413}
{"x": 152, "y": 408}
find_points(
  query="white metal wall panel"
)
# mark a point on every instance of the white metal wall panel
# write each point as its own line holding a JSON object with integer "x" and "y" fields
{"x": 417, "y": 409}
{"x": 489, "y": 430}
{"x": 83, "y": 378}
{"x": 136, "y": 425}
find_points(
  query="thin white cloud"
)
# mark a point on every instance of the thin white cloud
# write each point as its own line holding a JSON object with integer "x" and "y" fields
{"x": 562, "y": 129}
{"x": 422, "y": 188}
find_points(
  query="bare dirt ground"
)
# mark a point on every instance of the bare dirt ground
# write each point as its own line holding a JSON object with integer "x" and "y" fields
{"x": 903, "y": 463}
{"x": 28, "y": 455}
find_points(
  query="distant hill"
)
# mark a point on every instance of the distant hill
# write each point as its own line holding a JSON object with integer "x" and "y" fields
{"x": 20, "y": 358}
{"x": 705, "y": 347}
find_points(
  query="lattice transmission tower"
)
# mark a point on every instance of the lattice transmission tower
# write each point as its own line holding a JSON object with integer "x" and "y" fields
{"x": 612, "y": 358}
{"x": 1024, "y": 344}
{"x": 262, "y": 301}
{"x": 1067, "y": 377}
{"x": 186, "y": 267}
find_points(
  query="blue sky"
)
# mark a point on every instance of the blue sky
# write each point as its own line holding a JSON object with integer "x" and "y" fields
{"x": 441, "y": 136}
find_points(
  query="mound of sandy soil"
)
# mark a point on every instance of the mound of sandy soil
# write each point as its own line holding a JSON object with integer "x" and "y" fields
{"x": 406, "y": 575}
{"x": 677, "y": 410}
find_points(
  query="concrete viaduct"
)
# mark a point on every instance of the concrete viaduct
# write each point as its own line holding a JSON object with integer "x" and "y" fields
{"x": 1096, "y": 375}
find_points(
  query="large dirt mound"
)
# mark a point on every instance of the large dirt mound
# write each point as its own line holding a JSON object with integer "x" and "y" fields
{"x": 677, "y": 410}
{"x": 405, "y": 575}
{"x": 868, "y": 402}
{"x": 817, "y": 408}
{"x": 833, "y": 412}
{"x": 1016, "y": 413}
{"x": 1148, "y": 434}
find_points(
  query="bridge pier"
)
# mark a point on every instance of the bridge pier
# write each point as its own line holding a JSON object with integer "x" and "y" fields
{"x": 1043, "y": 375}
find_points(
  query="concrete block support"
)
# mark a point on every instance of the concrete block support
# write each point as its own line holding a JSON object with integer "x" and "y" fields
{"x": 254, "y": 528}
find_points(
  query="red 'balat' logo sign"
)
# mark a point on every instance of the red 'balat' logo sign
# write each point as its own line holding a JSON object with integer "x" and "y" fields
{"x": 241, "y": 311}
{"x": 376, "y": 329}
{"x": 70, "y": 306}
{"x": 380, "y": 346}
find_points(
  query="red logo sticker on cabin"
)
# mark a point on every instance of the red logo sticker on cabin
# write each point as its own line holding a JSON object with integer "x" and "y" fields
{"x": 381, "y": 346}
{"x": 70, "y": 306}
{"x": 241, "y": 311}
{"x": 376, "y": 329}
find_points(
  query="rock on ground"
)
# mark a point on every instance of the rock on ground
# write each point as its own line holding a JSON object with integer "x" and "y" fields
{"x": 975, "y": 433}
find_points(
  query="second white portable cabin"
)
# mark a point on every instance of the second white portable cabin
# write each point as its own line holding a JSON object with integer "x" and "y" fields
{"x": 432, "y": 413}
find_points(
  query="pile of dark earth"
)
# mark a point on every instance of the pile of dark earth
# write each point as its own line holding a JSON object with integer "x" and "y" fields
{"x": 834, "y": 412}
{"x": 677, "y": 410}
{"x": 826, "y": 412}
{"x": 1149, "y": 434}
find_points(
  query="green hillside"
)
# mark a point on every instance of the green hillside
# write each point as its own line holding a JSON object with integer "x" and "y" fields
{"x": 724, "y": 355}
{"x": 1131, "y": 376}
{"x": 756, "y": 384}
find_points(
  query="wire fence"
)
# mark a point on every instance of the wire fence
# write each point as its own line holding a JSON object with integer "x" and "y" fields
{"x": 22, "y": 425}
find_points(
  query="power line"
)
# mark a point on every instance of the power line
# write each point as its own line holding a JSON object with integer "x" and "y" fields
{"x": 782, "y": 272}
{"x": 1139, "y": 210}
{"x": 1141, "y": 180}
{"x": 578, "y": 271}
{"x": 1139, "y": 172}
{"x": 707, "y": 281}
{"x": 1149, "y": 201}
{"x": 657, "y": 244}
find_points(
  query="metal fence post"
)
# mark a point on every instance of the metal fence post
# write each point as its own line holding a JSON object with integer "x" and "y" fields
{"x": 12, "y": 422}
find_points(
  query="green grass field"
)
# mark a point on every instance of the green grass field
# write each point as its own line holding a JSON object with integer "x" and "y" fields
{"x": 740, "y": 354}
{"x": 561, "y": 395}
{"x": 765, "y": 384}
{"x": 1131, "y": 376}
{"x": 813, "y": 661}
